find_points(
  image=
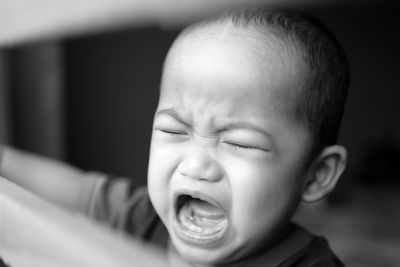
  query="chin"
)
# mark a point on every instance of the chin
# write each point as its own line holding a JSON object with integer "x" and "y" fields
{"x": 202, "y": 256}
{"x": 207, "y": 255}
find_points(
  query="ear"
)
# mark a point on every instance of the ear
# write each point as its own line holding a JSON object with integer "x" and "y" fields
{"x": 324, "y": 173}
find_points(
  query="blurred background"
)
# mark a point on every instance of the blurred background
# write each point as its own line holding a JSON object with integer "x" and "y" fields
{"x": 89, "y": 98}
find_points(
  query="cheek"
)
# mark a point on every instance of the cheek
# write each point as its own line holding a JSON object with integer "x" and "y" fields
{"x": 162, "y": 165}
{"x": 263, "y": 196}
{"x": 163, "y": 160}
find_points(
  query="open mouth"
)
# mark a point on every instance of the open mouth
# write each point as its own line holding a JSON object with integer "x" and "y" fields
{"x": 199, "y": 219}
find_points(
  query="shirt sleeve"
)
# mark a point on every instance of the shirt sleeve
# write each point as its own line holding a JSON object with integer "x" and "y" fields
{"x": 123, "y": 205}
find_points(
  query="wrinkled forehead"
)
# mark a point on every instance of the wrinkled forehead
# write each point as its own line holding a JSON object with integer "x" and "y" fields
{"x": 238, "y": 55}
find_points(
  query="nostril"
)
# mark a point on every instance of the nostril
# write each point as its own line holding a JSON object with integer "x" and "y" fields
{"x": 190, "y": 169}
{"x": 201, "y": 170}
{"x": 183, "y": 169}
{"x": 214, "y": 172}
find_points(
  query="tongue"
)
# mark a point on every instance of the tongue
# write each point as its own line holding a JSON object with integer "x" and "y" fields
{"x": 205, "y": 210}
{"x": 202, "y": 217}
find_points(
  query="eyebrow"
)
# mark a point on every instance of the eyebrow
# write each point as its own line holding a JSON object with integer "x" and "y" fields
{"x": 245, "y": 125}
{"x": 224, "y": 125}
{"x": 173, "y": 113}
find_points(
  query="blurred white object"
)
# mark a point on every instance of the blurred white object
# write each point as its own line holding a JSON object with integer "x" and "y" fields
{"x": 25, "y": 21}
{"x": 34, "y": 232}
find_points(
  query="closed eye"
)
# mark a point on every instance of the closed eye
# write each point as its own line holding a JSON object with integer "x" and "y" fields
{"x": 239, "y": 146}
{"x": 242, "y": 147}
{"x": 171, "y": 132}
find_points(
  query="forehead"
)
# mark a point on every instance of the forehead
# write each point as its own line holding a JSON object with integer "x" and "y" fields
{"x": 234, "y": 63}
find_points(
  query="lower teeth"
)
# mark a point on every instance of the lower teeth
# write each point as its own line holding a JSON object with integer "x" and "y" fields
{"x": 199, "y": 224}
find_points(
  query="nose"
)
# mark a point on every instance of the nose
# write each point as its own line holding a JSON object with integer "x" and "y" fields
{"x": 198, "y": 163}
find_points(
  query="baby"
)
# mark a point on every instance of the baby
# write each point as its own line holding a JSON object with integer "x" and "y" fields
{"x": 245, "y": 129}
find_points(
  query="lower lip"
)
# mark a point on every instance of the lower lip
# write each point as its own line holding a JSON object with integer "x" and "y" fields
{"x": 197, "y": 239}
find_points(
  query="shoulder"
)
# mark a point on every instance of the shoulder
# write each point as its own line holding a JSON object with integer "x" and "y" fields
{"x": 316, "y": 253}
{"x": 124, "y": 205}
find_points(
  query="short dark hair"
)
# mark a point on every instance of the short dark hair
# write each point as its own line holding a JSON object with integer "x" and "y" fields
{"x": 321, "y": 104}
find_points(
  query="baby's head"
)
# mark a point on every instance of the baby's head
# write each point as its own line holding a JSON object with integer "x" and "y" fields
{"x": 245, "y": 129}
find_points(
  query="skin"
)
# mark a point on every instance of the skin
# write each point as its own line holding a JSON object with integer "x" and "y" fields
{"x": 225, "y": 126}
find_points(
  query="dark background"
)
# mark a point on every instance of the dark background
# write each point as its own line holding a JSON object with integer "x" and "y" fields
{"x": 112, "y": 85}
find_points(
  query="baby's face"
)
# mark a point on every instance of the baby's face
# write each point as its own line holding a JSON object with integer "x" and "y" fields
{"x": 227, "y": 155}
